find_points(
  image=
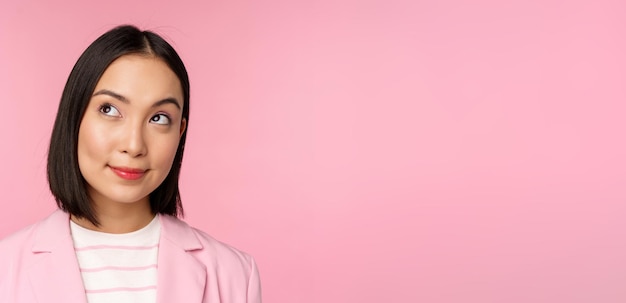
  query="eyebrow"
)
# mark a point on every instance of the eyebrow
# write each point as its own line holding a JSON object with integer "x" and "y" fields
{"x": 125, "y": 100}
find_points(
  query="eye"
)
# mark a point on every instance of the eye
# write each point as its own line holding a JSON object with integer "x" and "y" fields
{"x": 109, "y": 110}
{"x": 162, "y": 119}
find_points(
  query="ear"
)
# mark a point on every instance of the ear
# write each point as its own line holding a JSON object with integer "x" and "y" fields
{"x": 183, "y": 126}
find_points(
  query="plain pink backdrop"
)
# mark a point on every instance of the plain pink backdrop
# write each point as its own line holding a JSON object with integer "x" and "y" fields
{"x": 370, "y": 151}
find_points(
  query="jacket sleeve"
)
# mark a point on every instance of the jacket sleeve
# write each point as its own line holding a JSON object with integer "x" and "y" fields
{"x": 254, "y": 284}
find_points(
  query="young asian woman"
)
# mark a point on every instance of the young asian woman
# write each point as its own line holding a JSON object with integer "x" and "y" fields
{"x": 113, "y": 167}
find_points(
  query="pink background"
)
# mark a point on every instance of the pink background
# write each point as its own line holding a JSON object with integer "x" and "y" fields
{"x": 370, "y": 151}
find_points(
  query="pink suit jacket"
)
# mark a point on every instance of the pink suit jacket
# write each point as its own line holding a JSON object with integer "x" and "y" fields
{"x": 38, "y": 264}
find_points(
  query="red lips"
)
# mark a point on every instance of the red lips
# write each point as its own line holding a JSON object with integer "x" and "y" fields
{"x": 128, "y": 173}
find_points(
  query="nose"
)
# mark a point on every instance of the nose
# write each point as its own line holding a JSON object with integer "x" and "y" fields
{"x": 132, "y": 140}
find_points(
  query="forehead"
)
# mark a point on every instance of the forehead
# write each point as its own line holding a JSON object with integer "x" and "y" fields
{"x": 141, "y": 78}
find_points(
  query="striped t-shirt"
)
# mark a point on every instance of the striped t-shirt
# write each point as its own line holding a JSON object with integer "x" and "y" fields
{"x": 118, "y": 267}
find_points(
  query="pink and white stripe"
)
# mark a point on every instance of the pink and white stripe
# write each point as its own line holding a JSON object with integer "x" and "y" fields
{"x": 118, "y": 267}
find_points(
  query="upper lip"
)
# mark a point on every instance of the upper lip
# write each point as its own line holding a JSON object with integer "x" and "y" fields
{"x": 129, "y": 169}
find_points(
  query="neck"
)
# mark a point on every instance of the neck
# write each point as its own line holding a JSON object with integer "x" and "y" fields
{"x": 118, "y": 218}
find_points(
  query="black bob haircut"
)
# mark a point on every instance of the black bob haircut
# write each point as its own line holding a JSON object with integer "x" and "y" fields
{"x": 67, "y": 184}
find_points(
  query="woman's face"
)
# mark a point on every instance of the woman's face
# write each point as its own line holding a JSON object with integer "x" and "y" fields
{"x": 131, "y": 129}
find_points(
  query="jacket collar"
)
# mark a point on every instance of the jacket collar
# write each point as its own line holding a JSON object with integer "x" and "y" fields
{"x": 54, "y": 231}
{"x": 181, "y": 277}
{"x": 56, "y": 276}
{"x": 179, "y": 233}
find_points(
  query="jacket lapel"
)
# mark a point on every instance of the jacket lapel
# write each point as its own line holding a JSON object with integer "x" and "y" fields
{"x": 55, "y": 275}
{"x": 181, "y": 277}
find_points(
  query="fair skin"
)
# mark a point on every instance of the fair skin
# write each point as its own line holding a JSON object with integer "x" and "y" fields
{"x": 127, "y": 140}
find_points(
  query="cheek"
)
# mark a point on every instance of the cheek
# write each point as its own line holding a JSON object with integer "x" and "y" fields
{"x": 91, "y": 142}
{"x": 164, "y": 150}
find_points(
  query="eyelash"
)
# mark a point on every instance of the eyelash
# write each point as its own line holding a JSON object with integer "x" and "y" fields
{"x": 107, "y": 107}
{"x": 169, "y": 120}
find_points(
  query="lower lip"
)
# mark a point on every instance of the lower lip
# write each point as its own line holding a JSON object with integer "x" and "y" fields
{"x": 128, "y": 175}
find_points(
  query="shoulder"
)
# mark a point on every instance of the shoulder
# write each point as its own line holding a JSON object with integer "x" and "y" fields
{"x": 38, "y": 237}
{"x": 223, "y": 253}
{"x": 16, "y": 253}
{"x": 230, "y": 266}
{"x": 18, "y": 242}
{"x": 203, "y": 246}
